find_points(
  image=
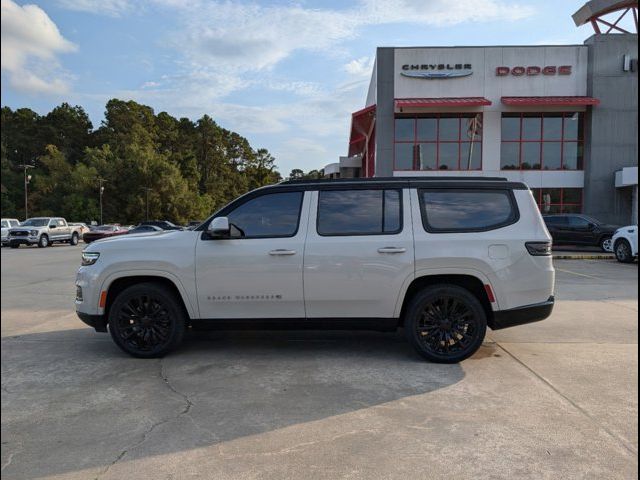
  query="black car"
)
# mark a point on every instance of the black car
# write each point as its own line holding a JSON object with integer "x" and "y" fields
{"x": 578, "y": 229}
{"x": 163, "y": 224}
{"x": 145, "y": 229}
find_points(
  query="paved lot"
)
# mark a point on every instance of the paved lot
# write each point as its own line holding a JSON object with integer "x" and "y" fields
{"x": 556, "y": 399}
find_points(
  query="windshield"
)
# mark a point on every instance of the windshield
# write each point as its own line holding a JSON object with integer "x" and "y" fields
{"x": 35, "y": 222}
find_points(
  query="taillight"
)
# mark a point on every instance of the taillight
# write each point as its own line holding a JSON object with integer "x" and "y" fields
{"x": 538, "y": 249}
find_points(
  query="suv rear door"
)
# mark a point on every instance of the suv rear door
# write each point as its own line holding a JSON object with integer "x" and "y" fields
{"x": 358, "y": 253}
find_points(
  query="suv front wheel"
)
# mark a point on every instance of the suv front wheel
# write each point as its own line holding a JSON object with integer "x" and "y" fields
{"x": 445, "y": 323}
{"x": 146, "y": 320}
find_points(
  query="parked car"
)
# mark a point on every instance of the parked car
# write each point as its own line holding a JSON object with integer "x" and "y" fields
{"x": 163, "y": 224}
{"x": 192, "y": 225}
{"x": 43, "y": 231}
{"x": 7, "y": 223}
{"x": 625, "y": 243}
{"x": 145, "y": 229}
{"x": 82, "y": 227}
{"x": 442, "y": 257}
{"x": 578, "y": 229}
{"x": 104, "y": 231}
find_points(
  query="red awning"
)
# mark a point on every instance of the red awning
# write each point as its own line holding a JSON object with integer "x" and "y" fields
{"x": 361, "y": 123}
{"x": 442, "y": 102}
{"x": 550, "y": 101}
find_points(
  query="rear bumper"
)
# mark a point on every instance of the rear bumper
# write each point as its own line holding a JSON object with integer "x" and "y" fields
{"x": 522, "y": 315}
{"x": 99, "y": 322}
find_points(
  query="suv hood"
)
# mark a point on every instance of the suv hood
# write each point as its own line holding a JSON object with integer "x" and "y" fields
{"x": 135, "y": 239}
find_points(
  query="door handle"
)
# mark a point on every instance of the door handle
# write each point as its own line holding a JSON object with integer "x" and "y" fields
{"x": 282, "y": 251}
{"x": 392, "y": 250}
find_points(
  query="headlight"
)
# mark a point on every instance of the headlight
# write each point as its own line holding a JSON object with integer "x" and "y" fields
{"x": 89, "y": 258}
{"x": 33, "y": 233}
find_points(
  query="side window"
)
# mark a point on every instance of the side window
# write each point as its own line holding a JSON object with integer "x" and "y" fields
{"x": 556, "y": 221}
{"x": 53, "y": 223}
{"x": 5, "y": 224}
{"x": 270, "y": 215}
{"x": 359, "y": 212}
{"x": 578, "y": 222}
{"x": 457, "y": 210}
{"x": 61, "y": 223}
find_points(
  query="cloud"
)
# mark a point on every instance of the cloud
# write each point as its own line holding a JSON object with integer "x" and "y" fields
{"x": 111, "y": 8}
{"x": 360, "y": 67}
{"x": 30, "y": 45}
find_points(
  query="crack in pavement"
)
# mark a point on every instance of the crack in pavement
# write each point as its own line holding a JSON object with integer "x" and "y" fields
{"x": 145, "y": 435}
{"x": 616, "y": 437}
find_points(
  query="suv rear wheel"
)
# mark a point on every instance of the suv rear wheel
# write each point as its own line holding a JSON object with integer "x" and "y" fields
{"x": 147, "y": 320}
{"x": 606, "y": 244}
{"x": 445, "y": 323}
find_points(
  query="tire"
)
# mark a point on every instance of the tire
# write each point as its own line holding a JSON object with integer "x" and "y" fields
{"x": 605, "y": 244}
{"x": 43, "y": 242}
{"x": 14, "y": 245}
{"x": 622, "y": 250}
{"x": 427, "y": 323}
{"x": 74, "y": 239}
{"x": 147, "y": 320}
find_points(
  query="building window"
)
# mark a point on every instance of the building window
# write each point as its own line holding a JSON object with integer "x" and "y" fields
{"x": 558, "y": 200}
{"x": 438, "y": 142}
{"x": 542, "y": 141}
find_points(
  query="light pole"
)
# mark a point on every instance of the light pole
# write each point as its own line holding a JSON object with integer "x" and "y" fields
{"x": 147, "y": 189}
{"x": 100, "y": 180}
{"x": 27, "y": 179}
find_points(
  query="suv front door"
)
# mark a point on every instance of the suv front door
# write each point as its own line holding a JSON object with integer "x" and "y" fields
{"x": 260, "y": 274}
{"x": 359, "y": 252}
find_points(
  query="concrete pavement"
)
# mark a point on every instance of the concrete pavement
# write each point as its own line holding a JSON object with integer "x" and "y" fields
{"x": 556, "y": 399}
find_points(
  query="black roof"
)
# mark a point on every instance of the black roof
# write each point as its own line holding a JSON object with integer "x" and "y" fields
{"x": 432, "y": 181}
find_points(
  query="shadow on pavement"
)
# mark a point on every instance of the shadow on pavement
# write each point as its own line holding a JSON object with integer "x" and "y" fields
{"x": 72, "y": 401}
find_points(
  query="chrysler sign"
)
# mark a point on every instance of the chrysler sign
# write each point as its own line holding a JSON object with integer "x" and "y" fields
{"x": 436, "y": 70}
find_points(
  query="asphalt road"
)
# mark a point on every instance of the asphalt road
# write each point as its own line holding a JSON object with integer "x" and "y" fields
{"x": 555, "y": 399}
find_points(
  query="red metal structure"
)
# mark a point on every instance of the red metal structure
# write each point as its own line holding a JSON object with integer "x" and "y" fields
{"x": 594, "y": 12}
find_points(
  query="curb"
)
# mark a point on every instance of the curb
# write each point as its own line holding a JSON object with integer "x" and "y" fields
{"x": 581, "y": 256}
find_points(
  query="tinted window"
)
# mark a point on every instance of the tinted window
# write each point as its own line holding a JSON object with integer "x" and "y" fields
{"x": 271, "y": 215}
{"x": 555, "y": 221}
{"x": 460, "y": 210}
{"x": 578, "y": 222}
{"x": 359, "y": 212}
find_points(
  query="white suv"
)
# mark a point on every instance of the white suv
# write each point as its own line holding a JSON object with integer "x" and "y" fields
{"x": 443, "y": 258}
{"x": 625, "y": 243}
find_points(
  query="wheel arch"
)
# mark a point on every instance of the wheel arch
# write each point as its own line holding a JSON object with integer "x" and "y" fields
{"x": 118, "y": 284}
{"x": 467, "y": 281}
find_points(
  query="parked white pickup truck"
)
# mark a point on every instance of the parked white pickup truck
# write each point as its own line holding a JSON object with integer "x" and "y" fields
{"x": 43, "y": 231}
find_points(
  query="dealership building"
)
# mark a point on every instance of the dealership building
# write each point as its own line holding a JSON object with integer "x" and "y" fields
{"x": 561, "y": 118}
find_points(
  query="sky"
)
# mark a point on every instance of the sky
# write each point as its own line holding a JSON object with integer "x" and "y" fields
{"x": 286, "y": 75}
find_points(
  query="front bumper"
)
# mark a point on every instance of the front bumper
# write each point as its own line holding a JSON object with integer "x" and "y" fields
{"x": 521, "y": 315}
{"x": 22, "y": 240}
{"x": 99, "y": 322}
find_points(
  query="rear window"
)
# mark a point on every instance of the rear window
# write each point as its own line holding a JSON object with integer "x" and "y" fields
{"x": 457, "y": 210}
{"x": 359, "y": 212}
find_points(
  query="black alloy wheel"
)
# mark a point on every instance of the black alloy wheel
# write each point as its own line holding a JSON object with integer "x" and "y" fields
{"x": 446, "y": 323}
{"x": 623, "y": 251}
{"x": 147, "y": 321}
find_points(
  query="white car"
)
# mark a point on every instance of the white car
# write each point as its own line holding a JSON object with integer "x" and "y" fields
{"x": 442, "y": 258}
{"x": 8, "y": 223}
{"x": 625, "y": 243}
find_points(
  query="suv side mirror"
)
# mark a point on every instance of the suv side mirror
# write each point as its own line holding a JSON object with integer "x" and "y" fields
{"x": 591, "y": 226}
{"x": 219, "y": 227}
